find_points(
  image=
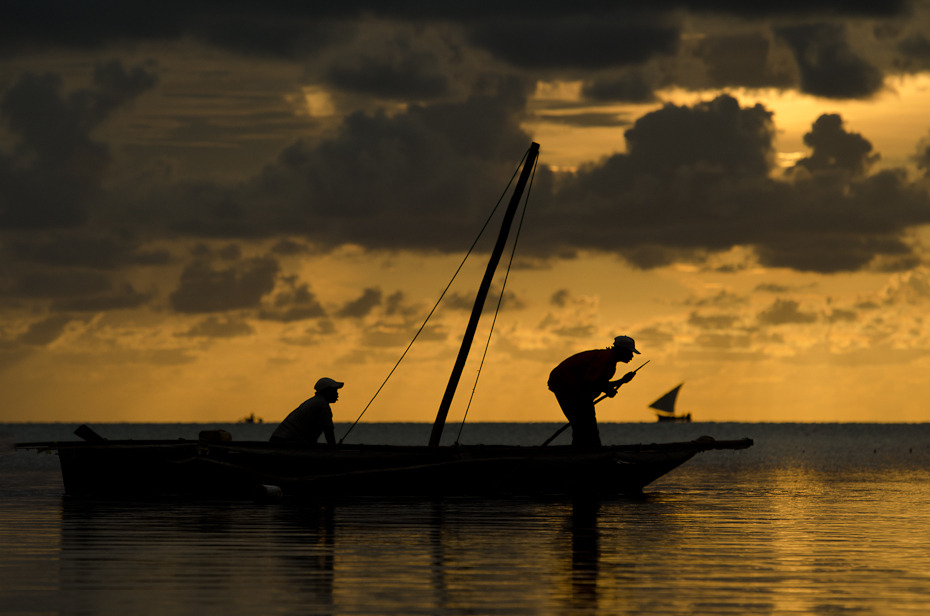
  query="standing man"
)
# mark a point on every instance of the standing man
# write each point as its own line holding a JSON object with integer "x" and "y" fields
{"x": 313, "y": 417}
{"x": 581, "y": 378}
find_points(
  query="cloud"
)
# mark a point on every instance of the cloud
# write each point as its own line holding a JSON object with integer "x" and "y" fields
{"x": 45, "y": 331}
{"x": 908, "y": 288}
{"x": 123, "y": 297}
{"x": 459, "y": 301}
{"x": 560, "y": 298}
{"x": 632, "y": 86}
{"x": 743, "y": 59}
{"x": 716, "y": 321}
{"x": 214, "y": 327}
{"x": 827, "y": 64}
{"x": 426, "y": 176}
{"x": 696, "y": 180}
{"x": 785, "y": 312}
{"x": 205, "y": 289}
{"x": 370, "y": 299}
{"x": 56, "y": 168}
{"x": 835, "y": 148}
{"x": 56, "y": 283}
{"x": 292, "y": 302}
{"x": 82, "y": 248}
{"x": 403, "y": 65}
{"x": 576, "y": 40}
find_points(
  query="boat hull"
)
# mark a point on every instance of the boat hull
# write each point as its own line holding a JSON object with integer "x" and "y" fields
{"x": 238, "y": 470}
{"x": 674, "y": 418}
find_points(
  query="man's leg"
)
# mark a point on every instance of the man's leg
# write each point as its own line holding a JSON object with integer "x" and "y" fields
{"x": 580, "y": 413}
{"x": 584, "y": 429}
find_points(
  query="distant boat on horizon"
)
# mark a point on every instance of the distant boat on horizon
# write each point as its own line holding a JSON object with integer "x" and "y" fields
{"x": 665, "y": 407}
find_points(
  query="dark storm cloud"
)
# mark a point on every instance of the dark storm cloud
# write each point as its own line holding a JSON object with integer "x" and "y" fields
{"x": 721, "y": 299}
{"x": 283, "y": 30}
{"x": 587, "y": 119}
{"x": 214, "y": 327}
{"x": 717, "y": 135}
{"x": 785, "y": 312}
{"x": 922, "y": 156}
{"x": 827, "y": 64}
{"x": 420, "y": 179}
{"x": 696, "y": 180}
{"x": 511, "y": 301}
{"x": 121, "y": 298}
{"x": 842, "y": 315}
{"x": 57, "y": 283}
{"x": 83, "y": 250}
{"x": 403, "y": 76}
{"x": 205, "y": 289}
{"x": 54, "y": 171}
{"x": 363, "y": 305}
{"x": 577, "y": 40}
{"x": 560, "y": 298}
{"x": 713, "y": 321}
{"x": 632, "y": 86}
{"x": 294, "y": 301}
{"x": 44, "y": 332}
{"x": 551, "y": 36}
{"x": 742, "y": 60}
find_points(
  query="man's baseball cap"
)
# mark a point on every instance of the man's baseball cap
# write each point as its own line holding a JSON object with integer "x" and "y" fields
{"x": 625, "y": 342}
{"x": 327, "y": 383}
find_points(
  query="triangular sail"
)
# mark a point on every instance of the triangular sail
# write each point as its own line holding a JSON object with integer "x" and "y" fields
{"x": 666, "y": 403}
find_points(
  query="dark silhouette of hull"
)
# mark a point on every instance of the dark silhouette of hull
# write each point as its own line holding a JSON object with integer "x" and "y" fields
{"x": 237, "y": 470}
{"x": 674, "y": 418}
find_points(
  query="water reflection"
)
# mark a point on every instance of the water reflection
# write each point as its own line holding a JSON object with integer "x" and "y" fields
{"x": 585, "y": 555}
{"x": 192, "y": 557}
{"x": 404, "y": 557}
{"x": 776, "y": 543}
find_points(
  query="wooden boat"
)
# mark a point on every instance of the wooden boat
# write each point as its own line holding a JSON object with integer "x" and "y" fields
{"x": 216, "y": 466}
{"x": 209, "y": 468}
{"x": 665, "y": 407}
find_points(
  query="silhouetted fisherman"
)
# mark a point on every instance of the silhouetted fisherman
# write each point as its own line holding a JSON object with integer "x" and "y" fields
{"x": 581, "y": 378}
{"x": 313, "y": 417}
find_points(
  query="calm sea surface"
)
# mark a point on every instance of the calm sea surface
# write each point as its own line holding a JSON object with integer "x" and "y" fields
{"x": 814, "y": 519}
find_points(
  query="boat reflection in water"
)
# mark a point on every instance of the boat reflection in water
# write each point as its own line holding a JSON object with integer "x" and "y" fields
{"x": 585, "y": 555}
{"x": 403, "y": 556}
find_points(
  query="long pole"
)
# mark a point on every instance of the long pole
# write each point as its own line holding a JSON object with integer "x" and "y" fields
{"x": 443, "y": 412}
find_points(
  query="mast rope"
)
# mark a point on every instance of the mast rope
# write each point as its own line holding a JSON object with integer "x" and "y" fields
{"x": 438, "y": 301}
{"x": 500, "y": 299}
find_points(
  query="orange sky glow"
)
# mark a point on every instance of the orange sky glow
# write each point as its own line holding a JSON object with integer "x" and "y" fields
{"x": 195, "y": 228}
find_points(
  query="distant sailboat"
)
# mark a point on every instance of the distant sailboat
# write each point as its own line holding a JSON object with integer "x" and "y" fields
{"x": 665, "y": 407}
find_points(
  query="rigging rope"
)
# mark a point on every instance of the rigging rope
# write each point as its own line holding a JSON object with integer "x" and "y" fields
{"x": 438, "y": 301}
{"x": 500, "y": 300}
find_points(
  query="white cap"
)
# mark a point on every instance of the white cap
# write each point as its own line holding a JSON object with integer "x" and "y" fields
{"x": 327, "y": 383}
{"x": 625, "y": 342}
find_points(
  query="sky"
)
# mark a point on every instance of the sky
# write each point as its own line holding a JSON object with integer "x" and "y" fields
{"x": 205, "y": 207}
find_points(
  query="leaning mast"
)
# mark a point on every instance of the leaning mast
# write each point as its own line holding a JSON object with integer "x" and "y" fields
{"x": 459, "y": 366}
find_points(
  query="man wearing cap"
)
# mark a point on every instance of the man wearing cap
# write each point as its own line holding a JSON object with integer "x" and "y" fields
{"x": 314, "y": 417}
{"x": 581, "y": 378}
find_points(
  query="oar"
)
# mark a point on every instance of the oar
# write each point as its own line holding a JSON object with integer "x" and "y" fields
{"x": 565, "y": 427}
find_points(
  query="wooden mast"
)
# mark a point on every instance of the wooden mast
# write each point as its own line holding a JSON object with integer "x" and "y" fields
{"x": 440, "y": 422}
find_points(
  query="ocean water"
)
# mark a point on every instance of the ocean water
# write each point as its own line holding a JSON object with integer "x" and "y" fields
{"x": 814, "y": 519}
